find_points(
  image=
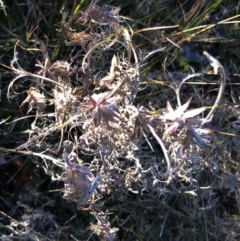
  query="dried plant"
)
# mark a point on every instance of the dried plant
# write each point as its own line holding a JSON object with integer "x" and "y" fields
{"x": 141, "y": 121}
{"x": 103, "y": 227}
{"x": 35, "y": 99}
{"x": 93, "y": 126}
{"x": 104, "y": 15}
{"x": 179, "y": 118}
{"x": 232, "y": 181}
{"x": 79, "y": 180}
{"x": 78, "y": 39}
{"x": 103, "y": 108}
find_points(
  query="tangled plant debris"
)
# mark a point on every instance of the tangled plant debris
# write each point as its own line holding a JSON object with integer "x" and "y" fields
{"x": 95, "y": 135}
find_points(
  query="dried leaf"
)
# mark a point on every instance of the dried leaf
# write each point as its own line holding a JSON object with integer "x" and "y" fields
{"x": 110, "y": 111}
{"x": 102, "y": 108}
{"x": 181, "y": 109}
{"x": 99, "y": 98}
{"x": 81, "y": 169}
{"x": 178, "y": 117}
{"x": 35, "y": 99}
{"x": 172, "y": 129}
{"x": 110, "y": 77}
{"x": 104, "y": 15}
{"x": 61, "y": 68}
{"x": 113, "y": 64}
{"x": 169, "y": 108}
{"x": 106, "y": 80}
{"x": 177, "y": 114}
{"x": 62, "y": 99}
{"x": 96, "y": 115}
{"x": 93, "y": 185}
{"x": 197, "y": 137}
{"x": 194, "y": 112}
